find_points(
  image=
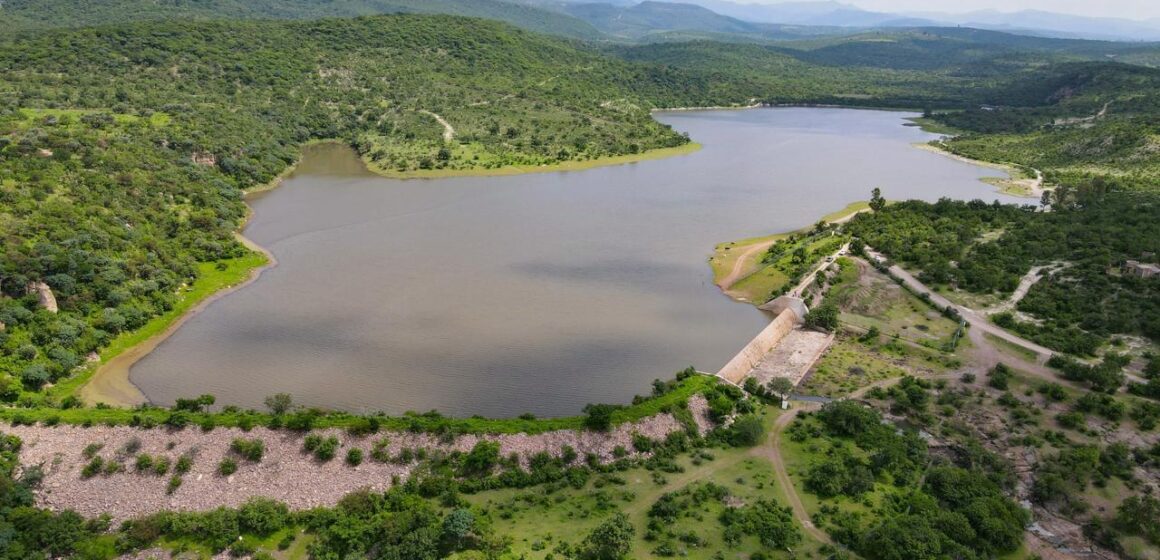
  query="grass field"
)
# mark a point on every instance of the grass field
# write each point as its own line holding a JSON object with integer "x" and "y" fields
{"x": 758, "y": 280}
{"x": 771, "y": 277}
{"x": 871, "y": 300}
{"x": 849, "y": 365}
{"x": 541, "y": 518}
{"x": 1011, "y": 348}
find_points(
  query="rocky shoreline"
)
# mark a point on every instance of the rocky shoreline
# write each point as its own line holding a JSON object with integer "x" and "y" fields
{"x": 285, "y": 473}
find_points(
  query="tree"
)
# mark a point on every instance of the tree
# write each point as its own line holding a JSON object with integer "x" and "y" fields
{"x": 800, "y": 255}
{"x": 598, "y": 417}
{"x": 877, "y": 203}
{"x": 481, "y": 459}
{"x": 279, "y": 403}
{"x": 611, "y": 540}
{"x": 458, "y": 527}
{"x": 262, "y": 516}
{"x": 824, "y": 317}
{"x": 1140, "y": 515}
{"x": 747, "y": 431}
{"x": 780, "y": 386}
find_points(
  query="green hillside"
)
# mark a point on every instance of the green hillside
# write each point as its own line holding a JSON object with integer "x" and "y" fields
{"x": 123, "y": 150}
{"x": 24, "y": 14}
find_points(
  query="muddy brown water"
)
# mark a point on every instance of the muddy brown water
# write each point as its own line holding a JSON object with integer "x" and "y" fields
{"x": 535, "y": 293}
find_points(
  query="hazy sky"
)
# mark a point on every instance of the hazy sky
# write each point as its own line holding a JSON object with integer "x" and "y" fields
{"x": 1130, "y": 9}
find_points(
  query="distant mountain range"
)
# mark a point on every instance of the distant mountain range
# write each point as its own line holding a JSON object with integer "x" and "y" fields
{"x": 1035, "y": 22}
{"x": 593, "y": 20}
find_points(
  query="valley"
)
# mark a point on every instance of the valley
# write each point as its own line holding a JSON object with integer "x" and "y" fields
{"x": 481, "y": 209}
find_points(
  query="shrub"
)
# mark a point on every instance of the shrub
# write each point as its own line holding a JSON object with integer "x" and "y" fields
{"x": 354, "y": 457}
{"x": 598, "y": 417}
{"x": 93, "y": 468}
{"x": 228, "y": 466}
{"x": 249, "y": 449}
{"x": 144, "y": 463}
{"x": 174, "y": 484}
{"x": 322, "y": 448}
{"x": 747, "y": 431}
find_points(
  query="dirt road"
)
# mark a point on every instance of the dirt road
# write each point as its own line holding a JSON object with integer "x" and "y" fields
{"x": 976, "y": 319}
{"x": 771, "y": 451}
{"x": 448, "y": 130}
{"x": 1020, "y": 292}
{"x": 743, "y": 262}
{"x": 738, "y": 271}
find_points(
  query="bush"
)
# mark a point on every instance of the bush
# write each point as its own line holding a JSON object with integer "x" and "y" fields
{"x": 227, "y": 467}
{"x": 322, "y": 448}
{"x": 249, "y": 449}
{"x": 354, "y": 457}
{"x": 747, "y": 431}
{"x": 598, "y": 417}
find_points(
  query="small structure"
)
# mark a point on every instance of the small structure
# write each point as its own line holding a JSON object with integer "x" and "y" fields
{"x": 795, "y": 304}
{"x": 1139, "y": 269}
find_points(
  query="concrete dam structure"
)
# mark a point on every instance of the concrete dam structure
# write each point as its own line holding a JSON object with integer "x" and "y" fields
{"x": 753, "y": 353}
{"x": 782, "y": 349}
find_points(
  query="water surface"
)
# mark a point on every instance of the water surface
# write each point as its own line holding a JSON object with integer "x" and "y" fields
{"x": 535, "y": 293}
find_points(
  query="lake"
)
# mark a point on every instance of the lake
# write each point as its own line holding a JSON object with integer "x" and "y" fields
{"x": 533, "y": 293}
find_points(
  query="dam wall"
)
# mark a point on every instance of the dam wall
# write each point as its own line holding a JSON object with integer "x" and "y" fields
{"x": 754, "y": 352}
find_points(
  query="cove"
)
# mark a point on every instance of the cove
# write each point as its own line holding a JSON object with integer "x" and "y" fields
{"x": 533, "y": 293}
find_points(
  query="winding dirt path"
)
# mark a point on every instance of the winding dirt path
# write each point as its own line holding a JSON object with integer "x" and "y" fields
{"x": 448, "y": 130}
{"x": 771, "y": 451}
{"x": 1020, "y": 292}
{"x": 737, "y": 273}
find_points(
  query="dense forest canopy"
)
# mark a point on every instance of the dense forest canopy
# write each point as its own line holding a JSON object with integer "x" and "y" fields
{"x": 45, "y": 14}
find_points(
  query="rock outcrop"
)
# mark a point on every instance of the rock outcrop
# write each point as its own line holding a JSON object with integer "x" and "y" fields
{"x": 44, "y": 295}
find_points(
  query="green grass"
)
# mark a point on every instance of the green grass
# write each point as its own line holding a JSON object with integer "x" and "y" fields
{"x": 479, "y": 166}
{"x": 877, "y": 301}
{"x": 800, "y": 456}
{"x": 539, "y": 519}
{"x": 210, "y": 280}
{"x": 849, "y": 365}
{"x": 772, "y": 277}
{"x": 761, "y": 279}
{"x": 935, "y": 127}
{"x": 1011, "y": 349}
{"x": 123, "y": 416}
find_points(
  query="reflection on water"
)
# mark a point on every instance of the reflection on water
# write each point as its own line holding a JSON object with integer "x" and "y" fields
{"x": 536, "y": 293}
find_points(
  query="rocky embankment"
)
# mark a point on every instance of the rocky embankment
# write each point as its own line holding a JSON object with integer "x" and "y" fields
{"x": 285, "y": 472}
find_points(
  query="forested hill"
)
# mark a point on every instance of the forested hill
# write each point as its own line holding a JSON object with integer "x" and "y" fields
{"x": 123, "y": 150}
{"x": 42, "y": 14}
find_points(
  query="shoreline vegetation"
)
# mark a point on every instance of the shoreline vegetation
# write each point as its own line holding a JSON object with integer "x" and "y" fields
{"x": 511, "y": 170}
{"x": 107, "y": 381}
{"x": 734, "y": 261}
{"x": 686, "y": 384}
{"x": 1019, "y": 182}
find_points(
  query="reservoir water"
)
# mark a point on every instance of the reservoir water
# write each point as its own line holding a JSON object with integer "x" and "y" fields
{"x": 535, "y": 293}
